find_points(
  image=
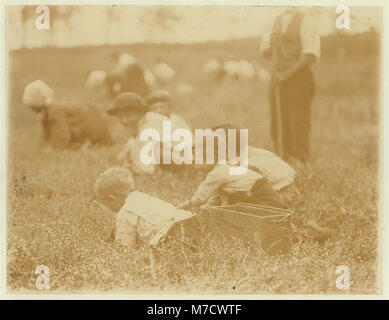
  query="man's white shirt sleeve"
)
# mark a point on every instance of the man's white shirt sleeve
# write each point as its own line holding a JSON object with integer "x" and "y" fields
{"x": 310, "y": 37}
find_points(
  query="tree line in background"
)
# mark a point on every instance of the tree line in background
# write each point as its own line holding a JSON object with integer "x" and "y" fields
{"x": 160, "y": 17}
{"x": 351, "y": 44}
{"x": 339, "y": 42}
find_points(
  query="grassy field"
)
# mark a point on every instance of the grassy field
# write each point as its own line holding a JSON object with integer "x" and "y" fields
{"x": 51, "y": 219}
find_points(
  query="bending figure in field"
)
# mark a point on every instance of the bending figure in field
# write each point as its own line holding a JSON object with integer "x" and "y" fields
{"x": 277, "y": 171}
{"x": 65, "y": 124}
{"x": 138, "y": 115}
{"x": 221, "y": 188}
{"x": 127, "y": 76}
{"x": 138, "y": 215}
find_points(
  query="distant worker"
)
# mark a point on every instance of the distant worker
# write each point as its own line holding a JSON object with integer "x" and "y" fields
{"x": 129, "y": 108}
{"x": 97, "y": 89}
{"x": 127, "y": 76}
{"x": 161, "y": 109}
{"x": 137, "y": 115}
{"x": 65, "y": 124}
{"x": 161, "y": 105}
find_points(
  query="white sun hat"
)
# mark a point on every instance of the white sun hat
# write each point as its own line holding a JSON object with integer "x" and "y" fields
{"x": 125, "y": 59}
{"x": 96, "y": 80}
{"x": 37, "y": 93}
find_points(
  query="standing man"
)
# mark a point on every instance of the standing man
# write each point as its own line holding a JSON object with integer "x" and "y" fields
{"x": 294, "y": 45}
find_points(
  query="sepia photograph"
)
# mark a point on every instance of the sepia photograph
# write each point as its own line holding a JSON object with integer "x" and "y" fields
{"x": 197, "y": 149}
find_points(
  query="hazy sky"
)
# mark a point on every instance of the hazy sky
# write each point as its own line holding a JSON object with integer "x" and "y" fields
{"x": 90, "y": 25}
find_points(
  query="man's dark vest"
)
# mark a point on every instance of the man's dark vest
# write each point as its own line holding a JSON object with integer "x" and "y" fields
{"x": 286, "y": 46}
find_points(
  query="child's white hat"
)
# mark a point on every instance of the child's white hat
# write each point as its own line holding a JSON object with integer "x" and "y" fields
{"x": 37, "y": 94}
{"x": 125, "y": 59}
{"x": 96, "y": 80}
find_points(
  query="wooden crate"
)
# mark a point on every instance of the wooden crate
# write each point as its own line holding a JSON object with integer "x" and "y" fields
{"x": 263, "y": 226}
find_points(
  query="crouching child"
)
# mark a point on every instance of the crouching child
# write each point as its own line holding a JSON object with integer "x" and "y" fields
{"x": 139, "y": 216}
{"x": 161, "y": 110}
{"x": 129, "y": 108}
{"x": 278, "y": 172}
{"x": 139, "y": 116}
{"x": 247, "y": 187}
{"x": 66, "y": 124}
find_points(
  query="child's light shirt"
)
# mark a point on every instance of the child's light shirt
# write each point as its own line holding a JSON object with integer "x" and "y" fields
{"x": 220, "y": 180}
{"x": 131, "y": 153}
{"x": 279, "y": 173}
{"x": 131, "y": 150}
{"x": 152, "y": 120}
{"x": 155, "y": 120}
{"x": 179, "y": 123}
{"x": 151, "y": 216}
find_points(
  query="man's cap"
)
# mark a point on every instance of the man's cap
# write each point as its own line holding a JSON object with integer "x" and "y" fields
{"x": 37, "y": 94}
{"x": 128, "y": 101}
{"x": 159, "y": 96}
